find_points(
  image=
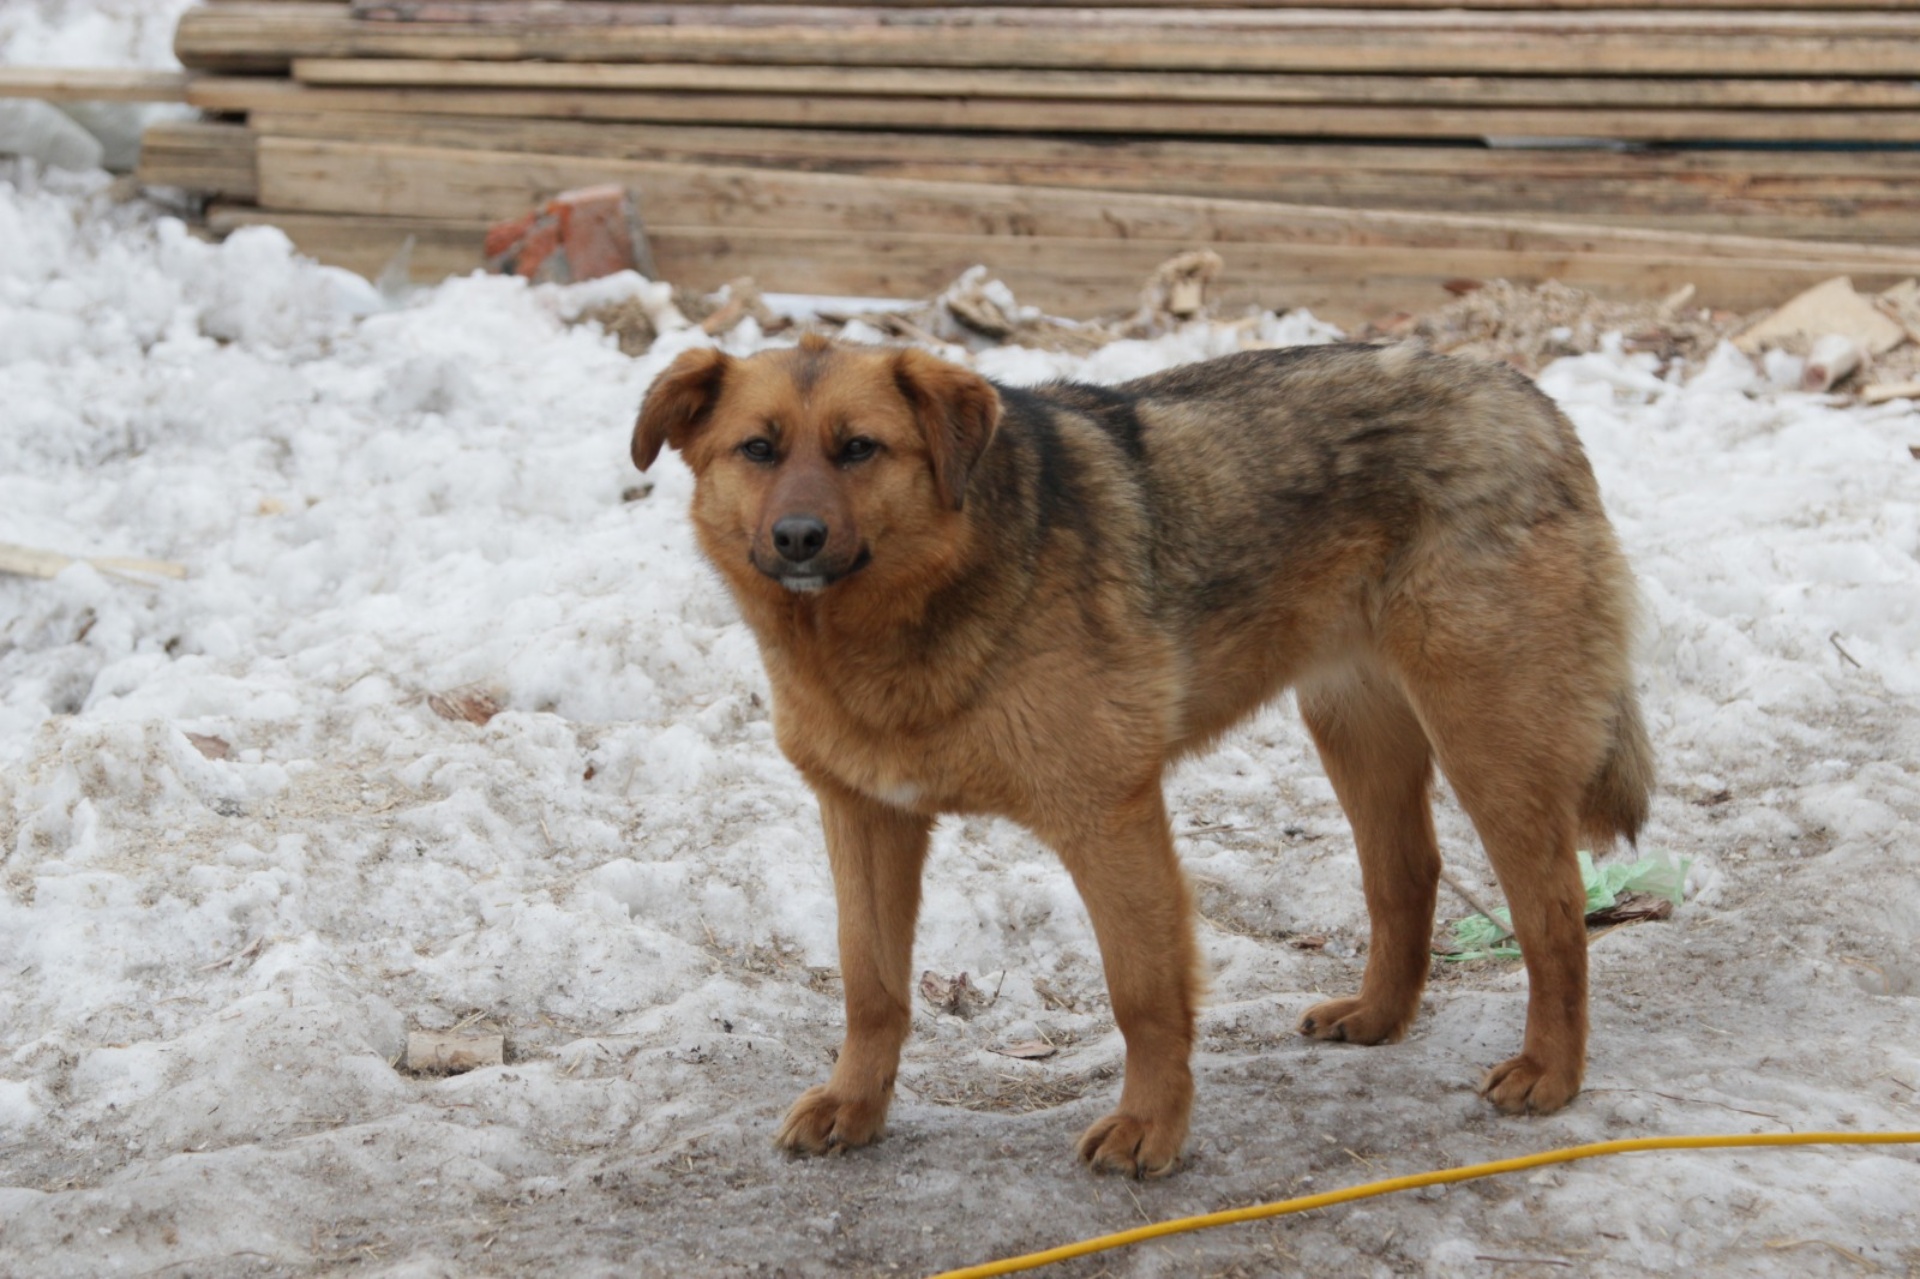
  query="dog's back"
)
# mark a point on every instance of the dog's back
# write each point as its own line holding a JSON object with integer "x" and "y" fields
{"x": 1304, "y": 509}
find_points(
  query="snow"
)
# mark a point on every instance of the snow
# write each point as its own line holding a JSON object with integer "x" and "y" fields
{"x": 207, "y": 966}
{"x": 90, "y": 33}
{"x": 95, "y": 34}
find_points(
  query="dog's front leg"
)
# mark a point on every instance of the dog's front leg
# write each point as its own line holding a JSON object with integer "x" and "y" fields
{"x": 1125, "y": 868}
{"x": 877, "y": 854}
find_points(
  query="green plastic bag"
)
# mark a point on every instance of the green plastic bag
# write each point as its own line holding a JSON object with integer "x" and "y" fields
{"x": 1477, "y": 937}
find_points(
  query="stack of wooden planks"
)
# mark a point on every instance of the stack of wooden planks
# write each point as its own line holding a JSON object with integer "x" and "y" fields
{"x": 1337, "y": 157}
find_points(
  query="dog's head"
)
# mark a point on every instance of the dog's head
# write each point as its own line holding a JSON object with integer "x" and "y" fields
{"x": 821, "y": 463}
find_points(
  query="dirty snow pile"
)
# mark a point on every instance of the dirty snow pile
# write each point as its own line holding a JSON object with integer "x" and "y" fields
{"x": 242, "y": 854}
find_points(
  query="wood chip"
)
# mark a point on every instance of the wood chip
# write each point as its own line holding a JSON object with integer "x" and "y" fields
{"x": 1026, "y": 1050}
{"x": 1826, "y": 308}
{"x": 957, "y": 995}
{"x": 971, "y": 303}
{"x": 1176, "y": 291}
{"x": 743, "y": 301}
{"x": 629, "y": 322}
{"x": 1901, "y": 304}
{"x": 471, "y": 705}
{"x": 211, "y": 747}
{"x": 1670, "y": 305}
{"x": 1882, "y": 392}
{"x": 442, "y": 1052}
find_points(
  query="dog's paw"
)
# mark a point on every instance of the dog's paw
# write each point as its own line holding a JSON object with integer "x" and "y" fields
{"x": 1521, "y": 1085}
{"x": 821, "y": 1122}
{"x": 1351, "y": 1021}
{"x": 1133, "y": 1147}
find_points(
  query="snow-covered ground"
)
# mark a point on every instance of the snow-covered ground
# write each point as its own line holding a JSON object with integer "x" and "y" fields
{"x": 209, "y": 965}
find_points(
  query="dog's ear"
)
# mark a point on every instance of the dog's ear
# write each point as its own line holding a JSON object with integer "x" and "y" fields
{"x": 678, "y": 403}
{"x": 958, "y": 411}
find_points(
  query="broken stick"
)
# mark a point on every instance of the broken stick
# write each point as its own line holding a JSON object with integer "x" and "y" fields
{"x": 30, "y": 561}
{"x": 1479, "y": 907}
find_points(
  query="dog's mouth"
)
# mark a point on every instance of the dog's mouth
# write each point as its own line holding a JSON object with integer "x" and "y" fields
{"x": 810, "y": 577}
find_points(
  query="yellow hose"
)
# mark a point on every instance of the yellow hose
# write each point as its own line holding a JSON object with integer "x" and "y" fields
{"x": 1327, "y": 1199}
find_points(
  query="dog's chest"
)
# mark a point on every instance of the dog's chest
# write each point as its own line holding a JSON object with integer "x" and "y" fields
{"x": 938, "y": 765}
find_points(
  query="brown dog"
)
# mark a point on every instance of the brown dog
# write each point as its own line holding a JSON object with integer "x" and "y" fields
{"x": 976, "y": 599}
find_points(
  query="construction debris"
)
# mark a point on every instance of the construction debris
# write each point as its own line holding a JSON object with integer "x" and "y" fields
{"x": 1530, "y": 327}
{"x": 1175, "y": 292}
{"x": 978, "y": 303}
{"x": 741, "y": 300}
{"x": 630, "y": 321}
{"x": 1901, "y": 304}
{"x": 578, "y": 235}
{"x": 1884, "y": 392}
{"x": 1829, "y": 308}
{"x": 984, "y": 305}
{"x": 1527, "y": 327}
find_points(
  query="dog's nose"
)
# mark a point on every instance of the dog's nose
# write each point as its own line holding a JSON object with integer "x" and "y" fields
{"x": 799, "y": 538}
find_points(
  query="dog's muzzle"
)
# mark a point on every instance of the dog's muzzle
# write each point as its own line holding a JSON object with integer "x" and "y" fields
{"x": 802, "y": 562}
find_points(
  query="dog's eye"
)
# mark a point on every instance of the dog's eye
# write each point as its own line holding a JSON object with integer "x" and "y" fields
{"x": 757, "y": 449}
{"x": 858, "y": 449}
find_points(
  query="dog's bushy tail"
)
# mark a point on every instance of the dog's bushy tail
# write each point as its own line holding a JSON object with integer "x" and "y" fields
{"x": 1615, "y": 804}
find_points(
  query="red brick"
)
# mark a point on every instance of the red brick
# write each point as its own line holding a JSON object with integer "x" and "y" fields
{"x": 502, "y": 236}
{"x": 578, "y": 235}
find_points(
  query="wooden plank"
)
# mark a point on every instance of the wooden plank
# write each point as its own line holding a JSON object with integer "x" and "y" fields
{"x": 1021, "y": 116}
{"x": 203, "y": 156}
{"x": 1831, "y": 195}
{"x": 857, "y": 21}
{"x": 268, "y": 37}
{"x": 92, "y": 84}
{"x": 1798, "y": 5}
{"x": 317, "y": 176}
{"x": 1090, "y": 276}
{"x": 1717, "y": 171}
{"x": 1138, "y": 87}
{"x": 1013, "y": 115}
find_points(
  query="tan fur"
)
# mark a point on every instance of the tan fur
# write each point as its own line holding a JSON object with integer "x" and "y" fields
{"x": 1029, "y": 602}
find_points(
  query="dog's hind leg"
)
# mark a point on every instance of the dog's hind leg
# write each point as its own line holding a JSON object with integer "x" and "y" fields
{"x": 1381, "y": 766}
{"x": 878, "y": 853}
{"x": 1503, "y": 740}
{"x": 1129, "y": 877}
